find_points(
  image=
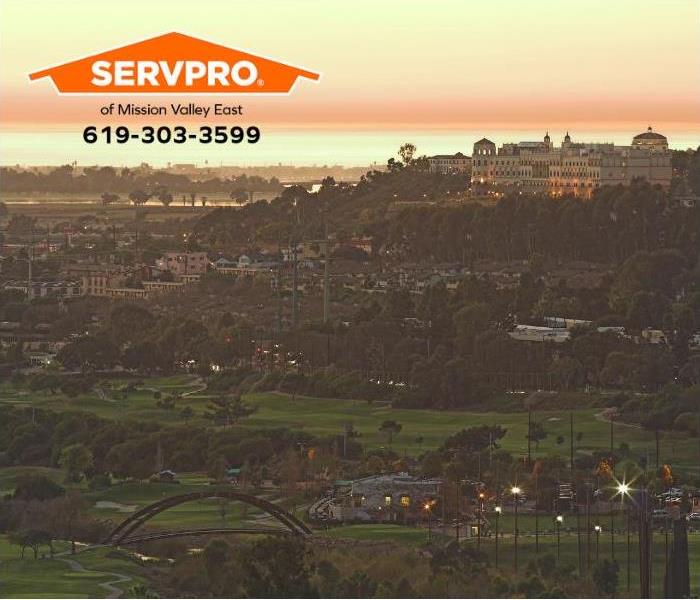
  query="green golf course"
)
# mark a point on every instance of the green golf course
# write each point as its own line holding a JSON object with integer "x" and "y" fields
{"x": 420, "y": 429}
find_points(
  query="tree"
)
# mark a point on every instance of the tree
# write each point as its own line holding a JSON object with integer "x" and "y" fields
{"x": 37, "y": 487}
{"x": 390, "y": 428}
{"x": 89, "y": 353}
{"x": 130, "y": 322}
{"x": 476, "y": 439}
{"x": 108, "y": 198}
{"x": 537, "y": 433}
{"x": 31, "y": 538}
{"x": 406, "y": 152}
{"x": 76, "y": 459}
{"x": 216, "y": 554}
{"x": 226, "y": 410}
{"x": 67, "y": 512}
{"x": 187, "y": 413}
{"x": 239, "y": 195}
{"x": 605, "y": 577}
{"x": 276, "y": 568}
{"x": 139, "y": 197}
{"x": 165, "y": 197}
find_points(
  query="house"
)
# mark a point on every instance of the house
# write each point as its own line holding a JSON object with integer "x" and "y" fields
{"x": 184, "y": 263}
{"x": 378, "y": 498}
{"x": 224, "y": 262}
{"x": 46, "y": 289}
{"x": 533, "y": 333}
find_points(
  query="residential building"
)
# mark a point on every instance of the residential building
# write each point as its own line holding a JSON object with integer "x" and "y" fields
{"x": 45, "y": 289}
{"x": 183, "y": 263}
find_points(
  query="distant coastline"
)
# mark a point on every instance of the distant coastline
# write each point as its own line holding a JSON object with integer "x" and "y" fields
{"x": 298, "y": 148}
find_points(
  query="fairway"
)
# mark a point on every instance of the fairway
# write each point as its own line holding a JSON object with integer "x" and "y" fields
{"x": 88, "y": 577}
{"x": 421, "y": 429}
{"x": 427, "y": 429}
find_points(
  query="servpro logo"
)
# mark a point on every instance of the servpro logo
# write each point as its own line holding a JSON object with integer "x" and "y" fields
{"x": 174, "y": 63}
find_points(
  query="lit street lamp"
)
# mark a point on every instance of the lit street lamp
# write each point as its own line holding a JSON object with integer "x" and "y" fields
{"x": 515, "y": 490}
{"x": 624, "y": 490}
{"x": 498, "y": 510}
{"x": 480, "y": 519}
{"x": 597, "y": 530}
{"x": 427, "y": 507}
{"x": 559, "y": 520}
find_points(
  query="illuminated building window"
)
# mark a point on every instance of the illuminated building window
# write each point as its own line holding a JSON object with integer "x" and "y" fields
{"x": 387, "y": 500}
{"x": 405, "y": 501}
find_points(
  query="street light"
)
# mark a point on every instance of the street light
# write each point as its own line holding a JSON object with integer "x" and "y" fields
{"x": 498, "y": 510}
{"x": 597, "y": 530}
{"x": 623, "y": 489}
{"x": 480, "y": 519}
{"x": 427, "y": 507}
{"x": 559, "y": 520}
{"x": 515, "y": 490}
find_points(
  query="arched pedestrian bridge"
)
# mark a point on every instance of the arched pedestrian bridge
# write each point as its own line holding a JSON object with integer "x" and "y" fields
{"x": 125, "y": 532}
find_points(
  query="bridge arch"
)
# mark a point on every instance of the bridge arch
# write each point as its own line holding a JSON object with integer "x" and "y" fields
{"x": 121, "y": 534}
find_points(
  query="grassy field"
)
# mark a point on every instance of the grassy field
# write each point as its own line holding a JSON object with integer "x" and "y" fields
{"x": 421, "y": 429}
{"x": 56, "y": 578}
{"x": 527, "y": 550}
{"x": 569, "y": 555}
{"x": 406, "y": 536}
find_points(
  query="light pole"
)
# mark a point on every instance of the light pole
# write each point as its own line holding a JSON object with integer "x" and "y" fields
{"x": 623, "y": 490}
{"x": 597, "y": 530}
{"x": 559, "y": 520}
{"x": 480, "y": 519}
{"x": 515, "y": 490}
{"x": 612, "y": 531}
{"x": 427, "y": 507}
{"x": 498, "y": 510}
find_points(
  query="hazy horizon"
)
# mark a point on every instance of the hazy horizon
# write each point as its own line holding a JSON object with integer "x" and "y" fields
{"x": 506, "y": 69}
{"x": 314, "y": 148}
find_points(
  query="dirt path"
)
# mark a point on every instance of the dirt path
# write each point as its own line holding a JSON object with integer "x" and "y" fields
{"x": 109, "y": 586}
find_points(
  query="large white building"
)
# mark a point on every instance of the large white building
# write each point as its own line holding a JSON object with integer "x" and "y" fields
{"x": 574, "y": 168}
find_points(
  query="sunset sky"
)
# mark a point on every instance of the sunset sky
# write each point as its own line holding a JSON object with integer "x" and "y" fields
{"x": 592, "y": 65}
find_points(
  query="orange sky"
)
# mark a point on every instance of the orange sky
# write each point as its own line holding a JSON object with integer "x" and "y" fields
{"x": 590, "y": 64}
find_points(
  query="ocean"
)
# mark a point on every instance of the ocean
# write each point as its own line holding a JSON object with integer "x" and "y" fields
{"x": 282, "y": 146}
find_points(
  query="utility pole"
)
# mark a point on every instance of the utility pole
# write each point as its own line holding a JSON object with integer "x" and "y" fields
{"x": 326, "y": 281}
{"x": 295, "y": 275}
{"x": 529, "y": 437}
{"x": 30, "y": 259}
{"x": 278, "y": 286}
{"x": 571, "y": 434}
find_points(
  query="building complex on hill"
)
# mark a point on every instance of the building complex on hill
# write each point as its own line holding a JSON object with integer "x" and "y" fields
{"x": 576, "y": 168}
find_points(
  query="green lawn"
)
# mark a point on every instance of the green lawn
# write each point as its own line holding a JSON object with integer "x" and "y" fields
{"x": 407, "y": 536}
{"x": 324, "y": 417}
{"x": 54, "y": 578}
{"x": 421, "y": 429}
{"x": 569, "y": 555}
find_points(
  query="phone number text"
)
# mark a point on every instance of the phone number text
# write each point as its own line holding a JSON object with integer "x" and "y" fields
{"x": 215, "y": 134}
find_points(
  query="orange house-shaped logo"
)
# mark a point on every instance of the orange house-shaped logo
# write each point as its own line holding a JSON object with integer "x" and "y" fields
{"x": 174, "y": 63}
